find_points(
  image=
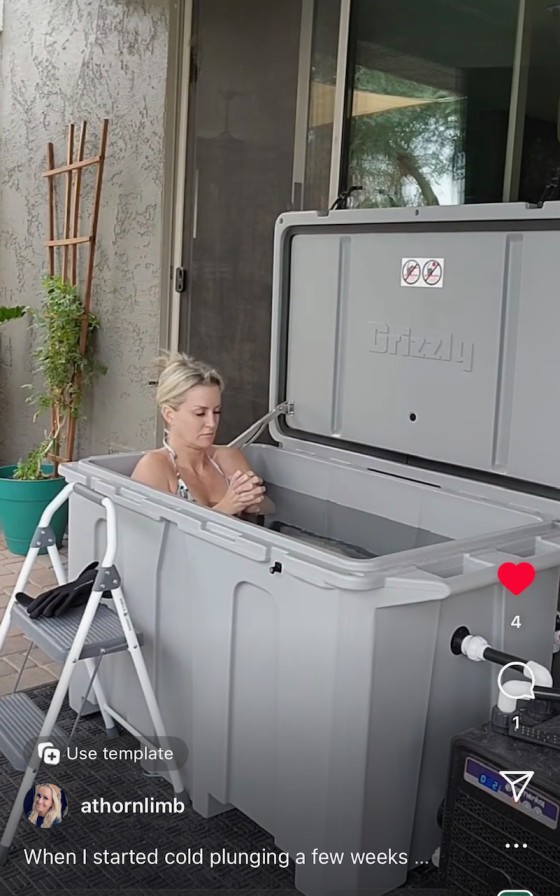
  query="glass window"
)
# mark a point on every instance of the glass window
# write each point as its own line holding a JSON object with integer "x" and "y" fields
{"x": 540, "y": 151}
{"x": 430, "y": 97}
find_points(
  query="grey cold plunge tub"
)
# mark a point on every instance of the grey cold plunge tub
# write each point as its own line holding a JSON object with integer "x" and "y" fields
{"x": 306, "y": 664}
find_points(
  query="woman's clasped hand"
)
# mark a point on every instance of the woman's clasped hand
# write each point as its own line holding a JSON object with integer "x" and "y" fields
{"x": 245, "y": 493}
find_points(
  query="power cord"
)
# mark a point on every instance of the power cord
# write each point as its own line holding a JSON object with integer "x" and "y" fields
{"x": 341, "y": 201}
{"x": 552, "y": 189}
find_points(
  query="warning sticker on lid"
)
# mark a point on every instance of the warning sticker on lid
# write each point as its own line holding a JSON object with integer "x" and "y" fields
{"x": 426, "y": 272}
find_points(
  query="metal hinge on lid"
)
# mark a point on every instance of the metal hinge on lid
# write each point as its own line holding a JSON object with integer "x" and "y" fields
{"x": 254, "y": 431}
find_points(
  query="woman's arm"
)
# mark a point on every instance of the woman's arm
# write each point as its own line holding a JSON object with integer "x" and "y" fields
{"x": 232, "y": 459}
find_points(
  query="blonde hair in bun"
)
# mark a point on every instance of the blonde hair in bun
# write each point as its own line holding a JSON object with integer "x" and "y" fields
{"x": 177, "y": 373}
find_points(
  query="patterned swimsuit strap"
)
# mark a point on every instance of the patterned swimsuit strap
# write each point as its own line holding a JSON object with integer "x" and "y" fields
{"x": 181, "y": 485}
{"x": 171, "y": 453}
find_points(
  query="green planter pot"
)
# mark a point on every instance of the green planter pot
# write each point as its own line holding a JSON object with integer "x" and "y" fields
{"x": 21, "y": 506}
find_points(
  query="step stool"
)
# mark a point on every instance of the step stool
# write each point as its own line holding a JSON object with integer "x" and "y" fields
{"x": 87, "y": 633}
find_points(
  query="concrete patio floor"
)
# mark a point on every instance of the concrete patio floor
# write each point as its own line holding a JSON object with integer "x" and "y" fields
{"x": 39, "y": 668}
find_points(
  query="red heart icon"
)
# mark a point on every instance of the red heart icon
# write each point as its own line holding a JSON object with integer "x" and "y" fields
{"x": 516, "y": 577}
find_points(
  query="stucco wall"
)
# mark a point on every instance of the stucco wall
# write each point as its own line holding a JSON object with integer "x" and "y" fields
{"x": 63, "y": 61}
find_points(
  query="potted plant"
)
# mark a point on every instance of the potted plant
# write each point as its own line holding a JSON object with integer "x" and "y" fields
{"x": 65, "y": 362}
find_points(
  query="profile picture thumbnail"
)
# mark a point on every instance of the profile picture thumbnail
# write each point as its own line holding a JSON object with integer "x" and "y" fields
{"x": 45, "y": 805}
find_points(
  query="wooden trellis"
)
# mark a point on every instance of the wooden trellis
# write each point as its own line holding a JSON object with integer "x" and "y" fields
{"x": 63, "y": 250}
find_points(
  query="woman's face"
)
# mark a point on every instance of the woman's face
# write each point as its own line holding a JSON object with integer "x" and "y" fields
{"x": 196, "y": 421}
{"x": 43, "y": 800}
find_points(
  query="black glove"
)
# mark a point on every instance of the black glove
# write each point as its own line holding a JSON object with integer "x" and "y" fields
{"x": 62, "y": 598}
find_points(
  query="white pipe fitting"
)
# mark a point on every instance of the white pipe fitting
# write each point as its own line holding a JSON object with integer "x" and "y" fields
{"x": 542, "y": 676}
{"x": 473, "y": 647}
{"x": 517, "y": 690}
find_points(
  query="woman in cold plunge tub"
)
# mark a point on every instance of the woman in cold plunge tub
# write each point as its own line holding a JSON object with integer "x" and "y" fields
{"x": 189, "y": 465}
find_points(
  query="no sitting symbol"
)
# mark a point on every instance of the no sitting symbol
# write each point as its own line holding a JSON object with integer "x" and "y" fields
{"x": 432, "y": 272}
{"x": 411, "y": 272}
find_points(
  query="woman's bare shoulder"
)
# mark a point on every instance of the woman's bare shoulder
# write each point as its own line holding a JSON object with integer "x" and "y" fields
{"x": 153, "y": 459}
{"x": 154, "y": 469}
{"x": 230, "y": 459}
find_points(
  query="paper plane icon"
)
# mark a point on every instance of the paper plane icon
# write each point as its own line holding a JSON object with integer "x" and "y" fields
{"x": 518, "y": 782}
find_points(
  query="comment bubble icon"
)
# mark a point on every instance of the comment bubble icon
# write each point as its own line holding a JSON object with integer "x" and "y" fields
{"x": 518, "y": 690}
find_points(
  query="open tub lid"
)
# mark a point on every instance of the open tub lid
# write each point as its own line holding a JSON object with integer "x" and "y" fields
{"x": 432, "y": 333}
